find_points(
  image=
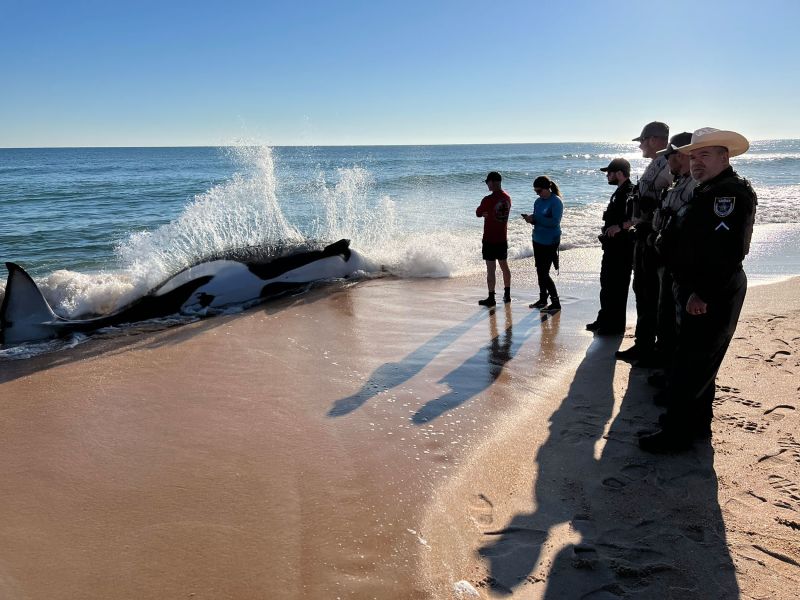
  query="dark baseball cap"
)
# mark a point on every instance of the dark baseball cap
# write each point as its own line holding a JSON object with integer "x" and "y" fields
{"x": 619, "y": 164}
{"x": 675, "y": 142}
{"x": 654, "y": 129}
{"x": 493, "y": 176}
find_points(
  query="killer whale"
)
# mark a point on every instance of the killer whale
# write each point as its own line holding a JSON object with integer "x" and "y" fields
{"x": 26, "y": 316}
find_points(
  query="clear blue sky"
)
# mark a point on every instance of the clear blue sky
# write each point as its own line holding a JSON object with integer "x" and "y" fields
{"x": 155, "y": 73}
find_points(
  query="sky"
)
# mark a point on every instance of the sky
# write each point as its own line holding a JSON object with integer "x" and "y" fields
{"x": 164, "y": 73}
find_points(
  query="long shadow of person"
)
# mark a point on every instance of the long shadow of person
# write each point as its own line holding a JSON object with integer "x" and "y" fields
{"x": 609, "y": 520}
{"x": 480, "y": 370}
{"x": 393, "y": 374}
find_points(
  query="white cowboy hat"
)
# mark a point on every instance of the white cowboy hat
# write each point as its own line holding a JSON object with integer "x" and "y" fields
{"x": 736, "y": 143}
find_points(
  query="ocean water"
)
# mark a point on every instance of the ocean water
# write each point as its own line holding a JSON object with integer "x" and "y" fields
{"x": 98, "y": 227}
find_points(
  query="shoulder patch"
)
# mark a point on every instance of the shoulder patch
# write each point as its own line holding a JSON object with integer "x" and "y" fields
{"x": 724, "y": 206}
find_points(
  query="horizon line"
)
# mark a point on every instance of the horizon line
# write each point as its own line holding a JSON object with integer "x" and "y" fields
{"x": 337, "y": 145}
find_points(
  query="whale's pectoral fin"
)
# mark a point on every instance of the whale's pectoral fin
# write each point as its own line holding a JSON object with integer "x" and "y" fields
{"x": 25, "y": 314}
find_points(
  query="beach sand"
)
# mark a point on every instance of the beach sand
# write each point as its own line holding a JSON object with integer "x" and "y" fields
{"x": 391, "y": 439}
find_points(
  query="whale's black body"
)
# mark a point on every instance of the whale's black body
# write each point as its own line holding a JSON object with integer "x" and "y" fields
{"x": 26, "y": 316}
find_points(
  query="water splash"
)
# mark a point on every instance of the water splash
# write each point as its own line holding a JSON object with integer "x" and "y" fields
{"x": 238, "y": 213}
{"x": 348, "y": 212}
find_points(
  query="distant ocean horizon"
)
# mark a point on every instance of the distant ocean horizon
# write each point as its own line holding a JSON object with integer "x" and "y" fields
{"x": 322, "y": 146}
{"x": 95, "y": 226}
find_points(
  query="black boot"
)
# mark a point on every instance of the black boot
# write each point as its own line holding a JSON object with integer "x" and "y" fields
{"x": 507, "y": 295}
{"x": 554, "y": 306}
{"x": 540, "y": 303}
{"x": 490, "y": 301}
{"x": 666, "y": 441}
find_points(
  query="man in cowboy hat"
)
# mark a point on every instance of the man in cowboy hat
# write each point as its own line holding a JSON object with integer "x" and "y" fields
{"x": 642, "y": 203}
{"x": 705, "y": 249}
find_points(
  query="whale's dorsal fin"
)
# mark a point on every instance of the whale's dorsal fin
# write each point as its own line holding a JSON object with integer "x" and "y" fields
{"x": 342, "y": 248}
{"x": 25, "y": 314}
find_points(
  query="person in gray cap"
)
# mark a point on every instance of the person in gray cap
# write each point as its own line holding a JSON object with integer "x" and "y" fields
{"x": 704, "y": 250}
{"x": 615, "y": 268}
{"x": 673, "y": 199}
{"x": 642, "y": 202}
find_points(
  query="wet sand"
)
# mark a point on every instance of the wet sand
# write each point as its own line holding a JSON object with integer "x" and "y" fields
{"x": 391, "y": 439}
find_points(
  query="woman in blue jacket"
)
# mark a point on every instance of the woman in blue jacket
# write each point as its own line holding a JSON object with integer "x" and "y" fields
{"x": 546, "y": 221}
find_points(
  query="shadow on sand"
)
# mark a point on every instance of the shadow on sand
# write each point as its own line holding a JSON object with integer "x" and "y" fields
{"x": 472, "y": 377}
{"x": 479, "y": 371}
{"x": 638, "y": 525}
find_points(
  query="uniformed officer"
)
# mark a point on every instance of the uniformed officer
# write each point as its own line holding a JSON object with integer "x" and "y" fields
{"x": 615, "y": 269}
{"x": 672, "y": 200}
{"x": 643, "y": 201}
{"x": 705, "y": 249}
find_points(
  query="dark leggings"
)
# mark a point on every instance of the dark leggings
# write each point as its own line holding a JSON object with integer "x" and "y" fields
{"x": 543, "y": 257}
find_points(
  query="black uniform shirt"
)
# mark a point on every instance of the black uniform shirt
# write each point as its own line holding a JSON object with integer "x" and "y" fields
{"x": 615, "y": 211}
{"x": 712, "y": 236}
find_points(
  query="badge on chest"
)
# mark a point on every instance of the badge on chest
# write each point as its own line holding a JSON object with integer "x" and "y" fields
{"x": 724, "y": 206}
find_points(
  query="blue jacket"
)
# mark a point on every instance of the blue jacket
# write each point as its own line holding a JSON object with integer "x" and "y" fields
{"x": 546, "y": 219}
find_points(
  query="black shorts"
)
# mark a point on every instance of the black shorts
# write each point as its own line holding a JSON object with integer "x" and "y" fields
{"x": 495, "y": 251}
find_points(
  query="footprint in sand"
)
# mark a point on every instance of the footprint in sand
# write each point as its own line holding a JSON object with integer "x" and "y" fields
{"x": 719, "y": 401}
{"x": 493, "y": 584}
{"x": 481, "y": 510}
{"x": 635, "y": 472}
{"x": 727, "y": 388}
{"x": 788, "y": 523}
{"x": 696, "y": 533}
{"x": 779, "y": 357}
{"x": 787, "y": 442}
{"x": 774, "y": 458}
{"x": 614, "y": 483}
{"x": 779, "y": 412}
{"x": 743, "y": 423}
{"x": 511, "y": 539}
{"x": 612, "y": 592}
{"x": 777, "y": 555}
{"x": 789, "y": 489}
{"x": 775, "y": 318}
{"x": 745, "y": 503}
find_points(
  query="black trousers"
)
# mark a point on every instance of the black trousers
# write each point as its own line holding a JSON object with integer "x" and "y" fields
{"x": 543, "y": 258}
{"x": 646, "y": 288}
{"x": 667, "y": 324}
{"x": 615, "y": 280}
{"x": 703, "y": 341}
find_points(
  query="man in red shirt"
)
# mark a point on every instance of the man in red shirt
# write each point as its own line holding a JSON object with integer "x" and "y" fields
{"x": 494, "y": 211}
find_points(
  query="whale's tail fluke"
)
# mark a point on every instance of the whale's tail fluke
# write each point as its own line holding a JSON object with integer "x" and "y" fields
{"x": 25, "y": 314}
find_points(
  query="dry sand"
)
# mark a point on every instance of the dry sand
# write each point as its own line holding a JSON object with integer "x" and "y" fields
{"x": 390, "y": 440}
{"x": 567, "y": 506}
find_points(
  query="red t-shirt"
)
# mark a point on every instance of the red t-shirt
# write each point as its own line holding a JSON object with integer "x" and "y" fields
{"x": 497, "y": 205}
